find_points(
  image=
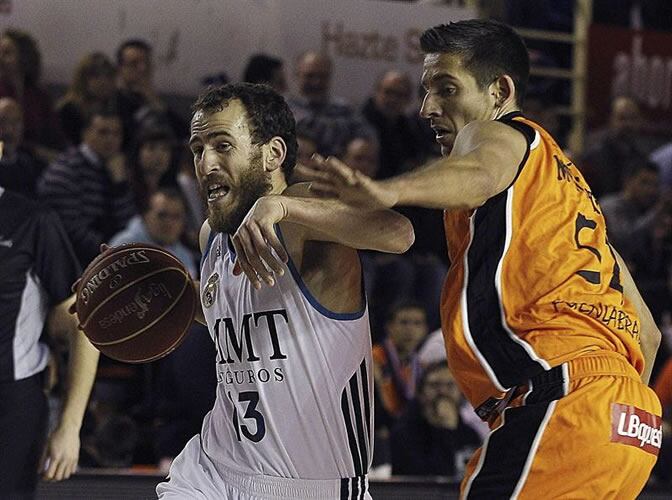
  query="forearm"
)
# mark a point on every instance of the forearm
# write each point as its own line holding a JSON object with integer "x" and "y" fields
{"x": 649, "y": 333}
{"x": 81, "y": 374}
{"x": 447, "y": 183}
{"x": 331, "y": 220}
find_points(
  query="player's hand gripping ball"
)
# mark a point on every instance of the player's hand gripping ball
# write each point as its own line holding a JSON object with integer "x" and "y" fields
{"x": 136, "y": 302}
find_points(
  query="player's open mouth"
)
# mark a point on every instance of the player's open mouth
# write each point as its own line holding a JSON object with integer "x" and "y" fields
{"x": 217, "y": 191}
{"x": 441, "y": 132}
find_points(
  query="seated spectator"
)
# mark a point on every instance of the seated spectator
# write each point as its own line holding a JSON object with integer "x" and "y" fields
{"x": 418, "y": 274}
{"x": 662, "y": 158}
{"x": 151, "y": 163}
{"x": 332, "y": 121}
{"x": 162, "y": 223}
{"x": 88, "y": 186}
{"x": 268, "y": 70}
{"x": 185, "y": 391}
{"x": 20, "y": 69}
{"x": 632, "y": 208}
{"x": 191, "y": 191}
{"x": 92, "y": 87}
{"x": 112, "y": 443}
{"x": 361, "y": 153}
{"x": 430, "y": 439}
{"x": 138, "y": 100}
{"x": 385, "y": 111}
{"x": 19, "y": 168}
{"x": 396, "y": 366}
{"x": 609, "y": 151}
{"x": 304, "y": 156}
{"x": 639, "y": 225}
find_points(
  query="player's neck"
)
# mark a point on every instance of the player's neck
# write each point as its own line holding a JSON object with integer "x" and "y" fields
{"x": 504, "y": 110}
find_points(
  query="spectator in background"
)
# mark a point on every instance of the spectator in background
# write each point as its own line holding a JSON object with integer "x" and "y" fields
{"x": 88, "y": 186}
{"x": 19, "y": 169}
{"x": 304, "y": 156}
{"x": 268, "y": 70}
{"x": 172, "y": 411}
{"x": 362, "y": 153}
{"x": 385, "y": 111}
{"x": 610, "y": 150}
{"x": 418, "y": 274}
{"x": 154, "y": 162}
{"x": 396, "y": 366}
{"x": 307, "y": 146}
{"x": 639, "y": 225}
{"x": 633, "y": 208}
{"x": 138, "y": 100}
{"x": 332, "y": 121}
{"x": 112, "y": 443}
{"x": 162, "y": 223}
{"x": 20, "y": 71}
{"x": 186, "y": 387}
{"x": 430, "y": 439}
{"x": 151, "y": 162}
{"x": 662, "y": 158}
{"x": 92, "y": 87}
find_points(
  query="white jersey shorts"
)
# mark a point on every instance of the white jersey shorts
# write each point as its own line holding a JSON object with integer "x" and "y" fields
{"x": 193, "y": 475}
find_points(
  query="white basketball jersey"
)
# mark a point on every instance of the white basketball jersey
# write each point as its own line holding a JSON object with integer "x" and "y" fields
{"x": 295, "y": 389}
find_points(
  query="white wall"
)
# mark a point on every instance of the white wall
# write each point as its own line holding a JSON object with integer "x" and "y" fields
{"x": 193, "y": 38}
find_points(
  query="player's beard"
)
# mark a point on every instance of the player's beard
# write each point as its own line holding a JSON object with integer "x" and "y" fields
{"x": 252, "y": 185}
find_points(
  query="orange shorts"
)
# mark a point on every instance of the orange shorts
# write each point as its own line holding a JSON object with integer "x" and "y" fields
{"x": 588, "y": 428}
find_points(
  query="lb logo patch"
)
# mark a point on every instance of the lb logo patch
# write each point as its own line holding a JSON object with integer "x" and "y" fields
{"x": 635, "y": 427}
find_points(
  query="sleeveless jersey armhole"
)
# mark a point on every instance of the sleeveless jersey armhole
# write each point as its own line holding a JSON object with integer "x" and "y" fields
{"x": 531, "y": 138}
{"x": 211, "y": 238}
{"x": 312, "y": 300}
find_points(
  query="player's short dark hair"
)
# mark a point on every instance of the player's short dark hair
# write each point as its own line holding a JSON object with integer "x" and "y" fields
{"x": 135, "y": 43}
{"x": 268, "y": 114}
{"x": 260, "y": 68}
{"x": 488, "y": 49}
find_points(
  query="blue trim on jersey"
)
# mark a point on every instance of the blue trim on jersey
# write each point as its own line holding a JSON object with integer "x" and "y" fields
{"x": 211, "y": 237}
{"x": 309, "y": 296}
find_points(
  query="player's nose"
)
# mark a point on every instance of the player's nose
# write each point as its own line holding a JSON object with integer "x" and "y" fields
{"x": 430, "y": 107}
{"x": 210, "y": 162}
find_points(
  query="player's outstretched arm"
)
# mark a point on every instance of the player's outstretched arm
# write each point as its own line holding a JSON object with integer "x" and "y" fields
{"x": 649, "y": 334}
{"x": 62, "y": 450}
{"x": 484, "y": 162}
{"x": 327, "y": 220}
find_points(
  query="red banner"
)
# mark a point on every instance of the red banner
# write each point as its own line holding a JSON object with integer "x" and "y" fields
{"x": 626, "y": 62}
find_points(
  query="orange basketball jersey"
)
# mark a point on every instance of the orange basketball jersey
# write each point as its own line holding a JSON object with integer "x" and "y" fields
{"x": 533, "y": 281}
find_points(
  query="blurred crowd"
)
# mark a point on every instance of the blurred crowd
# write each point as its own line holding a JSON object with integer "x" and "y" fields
{"x": 109, "y": 156}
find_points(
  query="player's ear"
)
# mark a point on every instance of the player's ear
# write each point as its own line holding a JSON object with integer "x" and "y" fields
{"x": 503, "y": 90}
{"x": 275, "y": 151}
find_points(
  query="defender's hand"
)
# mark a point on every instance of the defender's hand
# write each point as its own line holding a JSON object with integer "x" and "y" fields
{"x": 255, "y": 239}
{"x": 351, "y": 186}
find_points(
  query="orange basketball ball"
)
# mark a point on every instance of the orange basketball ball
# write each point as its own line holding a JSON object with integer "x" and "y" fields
{"x": 136, "y": 302}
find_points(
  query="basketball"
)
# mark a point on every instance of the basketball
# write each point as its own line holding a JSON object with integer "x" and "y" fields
{"x": 136, "y": 302}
